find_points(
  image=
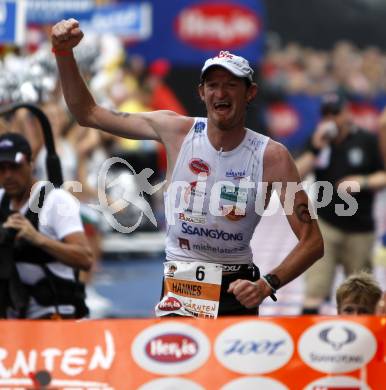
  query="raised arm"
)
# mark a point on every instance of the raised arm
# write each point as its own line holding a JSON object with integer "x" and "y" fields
{"x": 157, "y": 125}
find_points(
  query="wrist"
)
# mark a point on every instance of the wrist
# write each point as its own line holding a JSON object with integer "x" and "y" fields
{"x": 364, "y": 183}
{"x": 269, "y": 288}
{"x": 61, "y": 52}
{"x": 40, "y": 240}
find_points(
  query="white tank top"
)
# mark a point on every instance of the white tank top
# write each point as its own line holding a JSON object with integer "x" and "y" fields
{"x": 194, "y": 231}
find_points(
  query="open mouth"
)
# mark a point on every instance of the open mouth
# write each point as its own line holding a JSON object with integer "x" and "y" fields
{"x": 222, "y": 106}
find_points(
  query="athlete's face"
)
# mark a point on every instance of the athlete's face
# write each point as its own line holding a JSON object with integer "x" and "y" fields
{"x": 226, "y": 97}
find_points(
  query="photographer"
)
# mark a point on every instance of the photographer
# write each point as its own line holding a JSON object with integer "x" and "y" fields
{"x": 339, "y": 153}
{"x": 41, "y": 253}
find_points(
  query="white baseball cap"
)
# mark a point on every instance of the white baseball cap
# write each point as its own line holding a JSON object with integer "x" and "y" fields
{"x": 237, "y": 65}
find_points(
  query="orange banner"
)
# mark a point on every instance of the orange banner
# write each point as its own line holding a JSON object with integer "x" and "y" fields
{"x": 305, "y": 353}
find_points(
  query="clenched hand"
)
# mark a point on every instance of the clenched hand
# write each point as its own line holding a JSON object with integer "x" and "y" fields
{"x": 66, "y": 34}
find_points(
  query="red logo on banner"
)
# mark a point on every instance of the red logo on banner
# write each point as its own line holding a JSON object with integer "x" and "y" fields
{"x": 215, "y": 26}
{"x": 171, "y": 348}
{"x": 282, "y": 120}
{"x": 364, "y": 115}
{"x": 197, "y": 166}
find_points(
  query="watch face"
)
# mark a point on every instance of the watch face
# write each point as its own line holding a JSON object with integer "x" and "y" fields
{"x": 273, "y": 280}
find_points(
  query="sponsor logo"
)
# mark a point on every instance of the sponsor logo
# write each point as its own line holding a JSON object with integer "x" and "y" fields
{"x": 171, "y": 268}
{"x": 170, "y": 348}
{"x": 170, "y": 304}
{"x": 184, "y": 243}
{"x": 255, "y": 142}
{"x": 189, "y": 210}
{"x": 191, "y": 218}
{"x": 197, "y": 166}
{"x": 214, "y": 26}
{"x": 337, "y": 383}
{"x": 171, "y": 383}
{"x": 254, "y": 383}
{"x": 337, "y": 346}
{"x": 236, "y": 174}
{"x": 364, "y": 115}
{"x": 282, "y": 119}
{"x": 233, "y": 213}
{"x": 18, "y": 366}
{"x": 6, "y": 144}
{"x": 234, "y": 194}
{"x": 211, "y": 233}
{"x": 231, "y": 268}
{"x": 339, "y": 343}
{"x": 254, "y": 347}
{"x": 199, "y": 127}
{"x": 193, "y": 190}
{"x": 216, "y": 249}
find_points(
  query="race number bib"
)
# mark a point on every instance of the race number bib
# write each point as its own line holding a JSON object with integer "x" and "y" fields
{"x": 190, "y": 289}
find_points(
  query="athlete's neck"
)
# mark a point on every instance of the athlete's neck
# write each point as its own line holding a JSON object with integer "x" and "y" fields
{"x": 225, "y": 140}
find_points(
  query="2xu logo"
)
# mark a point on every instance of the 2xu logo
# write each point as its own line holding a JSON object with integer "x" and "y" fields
{"x": 215, "y": 26}
{"x": 170, "y": 348}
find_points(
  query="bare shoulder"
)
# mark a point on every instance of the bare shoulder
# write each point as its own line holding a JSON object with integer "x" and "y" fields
{"x": 275, "y": 154}
{"x": 278, "y": 163}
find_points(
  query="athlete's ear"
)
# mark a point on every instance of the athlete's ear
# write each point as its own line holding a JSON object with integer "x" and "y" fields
{"x": 201, "y": 91}
{"x": 252, "y": 92}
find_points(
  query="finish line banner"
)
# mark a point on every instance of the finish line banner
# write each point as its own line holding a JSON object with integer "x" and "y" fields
{"x": 305, "y": 353}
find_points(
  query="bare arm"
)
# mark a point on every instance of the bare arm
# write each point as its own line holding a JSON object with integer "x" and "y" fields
{"x": 73, "y": 250}
{"x": 321, "y": 138}
{"x": 374, "y": 181}
{"x": 280, "y": 168}
{"x": 157, "y": 125}
{"x": 305, "y": 164}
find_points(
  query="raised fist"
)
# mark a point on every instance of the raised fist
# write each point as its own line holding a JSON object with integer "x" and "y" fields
{"x": 66, "y": 34}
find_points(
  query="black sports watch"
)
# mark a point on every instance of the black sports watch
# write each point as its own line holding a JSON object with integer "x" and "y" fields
{"x": 273, "y": 281}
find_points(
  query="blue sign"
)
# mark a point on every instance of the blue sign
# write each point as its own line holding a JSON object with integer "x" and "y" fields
{"x": 12, "y": 21}
{"x": 52, "y": 11}
{"x": 127, "y": 20}
{"x": 132, "y": 20}
{"x": 187, "y": 32}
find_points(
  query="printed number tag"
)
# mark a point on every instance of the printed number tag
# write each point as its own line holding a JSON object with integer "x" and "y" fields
{"x": 190, "y": 289}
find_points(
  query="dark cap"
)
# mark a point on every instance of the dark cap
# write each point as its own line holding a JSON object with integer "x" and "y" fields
{"x": 332, "y": 104}
{"x": 13, "y": 146}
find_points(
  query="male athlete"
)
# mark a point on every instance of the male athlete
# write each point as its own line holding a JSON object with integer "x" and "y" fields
{"x": 222, "y": 173}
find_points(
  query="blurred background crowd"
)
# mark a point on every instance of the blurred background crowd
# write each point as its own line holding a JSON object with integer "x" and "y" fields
{"x": 298, "y": 56}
